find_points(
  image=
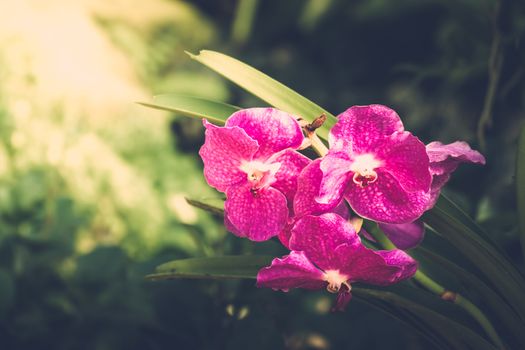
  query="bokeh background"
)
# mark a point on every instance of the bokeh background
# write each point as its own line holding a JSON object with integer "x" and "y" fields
{"x": 92, "y": 185}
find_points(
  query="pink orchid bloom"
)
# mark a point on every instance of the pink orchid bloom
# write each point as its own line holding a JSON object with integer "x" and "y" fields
{"x": 253, "y": 160}
{"x": 326, "y": 252}
{"x": 381, "y": 170}
{"x": 444, "y": 159}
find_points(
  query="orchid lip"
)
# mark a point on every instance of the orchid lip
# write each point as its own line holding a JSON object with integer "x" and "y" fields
{"x": 260, "y": 174}
{"x": 364, "y": 180}
{"x": 335, "y": 281}
{"x": 364, "y": 166}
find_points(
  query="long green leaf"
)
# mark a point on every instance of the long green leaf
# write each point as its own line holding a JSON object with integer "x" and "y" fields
{"x": 520, "y": 186}
{"x": 211, "y": 205}
{"x": 219, "y": 267}
{"x": 247, "y": 266}
{"x": 456, "y": 334}
{"x": 264, "y": 87}
{"x": 507, "y": 316}
{"x": 191, "y": 106}
{"x": 504, "y": 277}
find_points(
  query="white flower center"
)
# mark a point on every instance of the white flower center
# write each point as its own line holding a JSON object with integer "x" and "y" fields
{"x": 335, "y": 280}
{"x": 364, "y": 166}
{"x": 260, "y": 174}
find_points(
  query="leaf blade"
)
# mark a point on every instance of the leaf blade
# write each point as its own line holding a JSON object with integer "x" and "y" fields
{"x": 192, "y": 106}
{"x": 520, "y": 187}
{"x": 444, "y": 219}
{"x": 217, "y": 267}
{"x": 214, "y": 206}
{"x": 447, "y": 328}
{"x": 264, "y": 87}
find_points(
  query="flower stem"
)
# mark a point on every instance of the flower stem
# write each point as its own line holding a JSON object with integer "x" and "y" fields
{"x": 309, "y": 129}
{"x": 318, "y": 145}
{"x": 445, "y": 294}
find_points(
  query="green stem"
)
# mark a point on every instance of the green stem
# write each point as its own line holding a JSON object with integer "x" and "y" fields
{"x": 445, "y": 294}
{"x": 318, "y": 145}
{"x": 481, "y": 318}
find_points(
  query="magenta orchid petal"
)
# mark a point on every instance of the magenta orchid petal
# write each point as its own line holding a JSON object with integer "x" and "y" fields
{"x": 404, "y": 236}
{"x": 273, "y": 129}
{"x": 441, "y": 155}
{"x": 286, "y": 233}
{"x": 308, "y": 185}
{"x": 361, "y": 127}
{"x": 408, "y": 266}
{"x": 222, "y": 154}
{"x": 292, "y": 271}
{"x": 336, "y": 177}
{"x": 380, "y": 268}
{"x": 292, "y": 163}
{"x": 342, "y": 210}
{"x": 258, "y": 215}
{"x": 444, "y": 159}
{"x": 319, "y": 236}
{"x": 230, "y": 227}
{"x": 404, "y": 156}
{"x": 343, "y": 298}
{"x": 386, "y": 201}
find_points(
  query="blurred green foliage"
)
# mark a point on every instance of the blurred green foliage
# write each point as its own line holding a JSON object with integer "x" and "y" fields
{"x": 92, "y": 188}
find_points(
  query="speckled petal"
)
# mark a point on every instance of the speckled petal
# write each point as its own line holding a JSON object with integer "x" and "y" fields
{"x": 258, "y": 216}
{"x": 380, "y": 268}
{"x": 404, "y": 236}
{"x": 273, "y": 129}
{"x": 292, "y": 163}
{"x": 230, "y": 227}
{"x": 405, "y": 158}
{"x": 360, "y": 127}
{"x": 222, "y": 153}
{"x": 292, "y": 271}
{"x": 318, "y": 237}
{"x": 445, "y": 158}
{"x": 308, "y": 185}
{"x": 386, "y": 201}
{"x": 286, "y": 233}
{"x": 336, "y": 176}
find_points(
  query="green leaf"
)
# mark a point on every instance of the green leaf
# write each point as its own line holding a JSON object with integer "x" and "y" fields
{"x": 520, "y": 186}
{"x": 455, "y": 226}
{"x": 219, "y": 267}
{"x": 425, "y": 315}
{"x": 264, "y": 87}
{"x": 194, "y": 107}
{"x": 244, "y": 20}
{"x": 506, "y": 314}
{"x": 211, "y": 205}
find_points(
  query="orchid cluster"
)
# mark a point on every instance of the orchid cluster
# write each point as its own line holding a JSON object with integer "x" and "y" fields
{"x": 373, "y": 170}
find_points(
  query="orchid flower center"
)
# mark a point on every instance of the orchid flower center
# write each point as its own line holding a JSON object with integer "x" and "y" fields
{"x": 335, "y": 281}
{"x": 260, "y": 174}
{"x": 364, "y": 166}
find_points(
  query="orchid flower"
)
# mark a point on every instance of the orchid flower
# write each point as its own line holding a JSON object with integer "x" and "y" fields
{"x": 326, "y": 252}
{"x": 382, "y": 170}
{"x": 253, "y": 160}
